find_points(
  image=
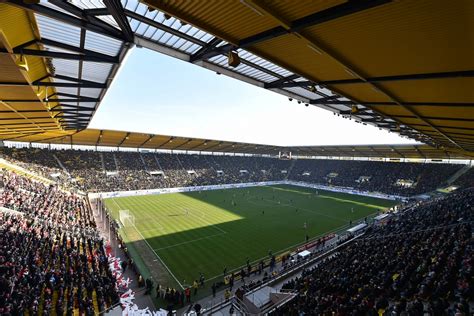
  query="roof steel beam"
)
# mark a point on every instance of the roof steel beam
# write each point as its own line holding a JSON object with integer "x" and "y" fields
{"x": 31, "y": 118}
{"x": 55, "y": 84}
{"x": 27, "y": 128}
{"x": 411, "y": 116}
{"x": 170, "y": 140}
{"x": 80, "y": 13}
{"x": 181, "y": 145}
{"x": 97, "y": 11}
{"x": 62, "y": 94}
{"x": 419, "y": 151}
{"x": 146, "y": 140}
{"x": 343, "y": 62}
{"x": 81, "y": 50}
{"x": 116, "y": 10}
{"x": 198, "y": 145}
{"x": 124, "y": 139}
{"x": 75, "y": 126}
{"x": 50, "y": 100}
{"x": 316, "y": 18}
{"x": 163, "y": 27}
{"x": 61, "y": 55}
{"x": 65, "y": 107}
{"x": 21, "y": 136}
{"x": 277, "y": 83}
{"x": 212, "y": 44}
{"x": 84, "y": 21}
{"x": 80, "y": 80}
{"x": 74, "y": 115}
{"x": 425, "y": 76}
{"x": 27, "y": 124}
{"x": 232, "y": 145}
{"x": 389, "y": 103}
{"x": 101, "y": 132}
{"x": 213, "y": 146}
{"x": 395, "y": 150}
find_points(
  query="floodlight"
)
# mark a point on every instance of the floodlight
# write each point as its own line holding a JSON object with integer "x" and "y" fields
{"x": 233, "y": 59}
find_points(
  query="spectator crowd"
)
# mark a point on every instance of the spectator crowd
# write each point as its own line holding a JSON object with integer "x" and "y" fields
{"x": 93, "y": 171}
{"x": 420, "y": 261}
{"x": 52, "y": 260}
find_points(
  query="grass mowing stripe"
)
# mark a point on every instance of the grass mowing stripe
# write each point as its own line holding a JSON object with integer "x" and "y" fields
{"x": 190, "y": 241}
{"x": 171, "y": 273}
{"x": 211, "y": 225}
{"x": 308, "y": 210}
{"x": 253, "y": 220}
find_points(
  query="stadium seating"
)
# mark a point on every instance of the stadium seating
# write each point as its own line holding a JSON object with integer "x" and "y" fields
{"x": 52, "y": 261}
{"x": 51, "y": 254}
{"x": 379, "y": 176}
{"x": 421, "y": 261}
{"x": 122, "y": 171}
{"x": 40, "y": 161}
{"x": 466, "y": 180}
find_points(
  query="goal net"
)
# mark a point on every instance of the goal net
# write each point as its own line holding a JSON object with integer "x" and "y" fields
{"x": 126, "y": 218}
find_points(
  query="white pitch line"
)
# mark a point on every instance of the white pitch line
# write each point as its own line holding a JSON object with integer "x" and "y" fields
{"x": 287, "y": 248}
{"x": 190, "y": 241}
{"x": 280, "y": 251}
{"x": 149, "y": 246}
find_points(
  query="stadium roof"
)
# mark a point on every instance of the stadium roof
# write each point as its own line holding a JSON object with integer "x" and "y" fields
{"x": 406, "y": 66}
{"x": 96, "y": 137}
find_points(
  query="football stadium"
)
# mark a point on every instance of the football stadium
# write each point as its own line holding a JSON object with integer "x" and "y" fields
{"x": 179, "y": 185}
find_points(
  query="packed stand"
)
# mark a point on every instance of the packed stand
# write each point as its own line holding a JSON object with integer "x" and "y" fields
{"x": 466, "y": 180}
{"x": 52, "y": 261}
{"x": 85, "y": 167}
{"x": 375, "y": 175}
{"x": 40, "y": 161}
{"x": 124, "y": 171}
{"x": 420, "y": 261}
{"x": 132, "y": 171}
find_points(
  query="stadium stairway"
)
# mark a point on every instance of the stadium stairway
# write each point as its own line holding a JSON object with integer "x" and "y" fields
{"x": 54, "y": 301}
{"x": 292, "y": 164}
{"x": 179, "y": 162}
{"x": 94, "y": 301}
{"x": 459, "y": 173}
{"x": 21, "y": 171}
{"x": 143, "y": 161}
{"x": 157, "y": 162}
{"x": 102, "y": 162}
{"x": 116, "y": 162}
{"x": 61, "y": 165}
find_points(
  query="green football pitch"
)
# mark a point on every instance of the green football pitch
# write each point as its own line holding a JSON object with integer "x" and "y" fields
{"x": 203, "y": 232}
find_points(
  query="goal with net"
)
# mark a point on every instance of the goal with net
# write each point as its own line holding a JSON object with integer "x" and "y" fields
{"x": 126, "y": 219}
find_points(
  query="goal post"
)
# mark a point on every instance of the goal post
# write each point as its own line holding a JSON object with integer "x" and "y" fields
{"x": 126, "y": 219}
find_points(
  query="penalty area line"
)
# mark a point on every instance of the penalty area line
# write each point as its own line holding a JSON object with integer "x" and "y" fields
{"x": 149, "y": 246}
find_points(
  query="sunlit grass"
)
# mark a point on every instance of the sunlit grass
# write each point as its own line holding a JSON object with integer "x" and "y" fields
{"x": 205, "y": 232}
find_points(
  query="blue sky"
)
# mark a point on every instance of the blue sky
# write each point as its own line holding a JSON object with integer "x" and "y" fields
{"x": 158, "y": 94}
